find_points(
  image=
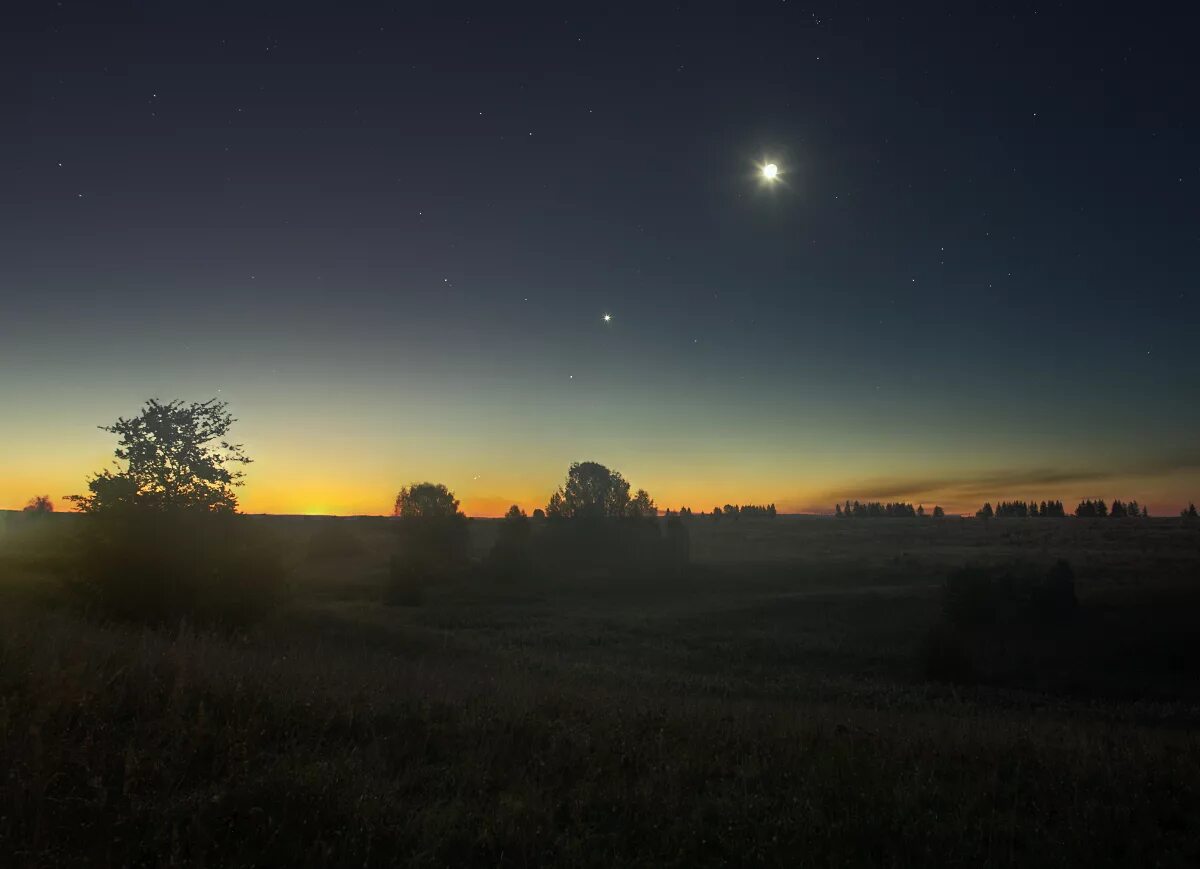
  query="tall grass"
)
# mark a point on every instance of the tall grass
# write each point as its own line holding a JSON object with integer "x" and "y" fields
{"x": 127, "y": 748}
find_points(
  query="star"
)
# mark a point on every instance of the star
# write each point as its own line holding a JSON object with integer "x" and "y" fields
{"x": 608, "y": 318}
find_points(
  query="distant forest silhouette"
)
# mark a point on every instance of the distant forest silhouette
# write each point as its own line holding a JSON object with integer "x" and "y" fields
{"x": 177, "y": 456}
{"x": 163, "y": 539}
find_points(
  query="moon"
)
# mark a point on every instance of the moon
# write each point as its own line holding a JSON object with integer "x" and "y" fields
{"x": 770, "y": 171}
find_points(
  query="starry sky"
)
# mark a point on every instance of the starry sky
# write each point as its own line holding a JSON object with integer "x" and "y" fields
{"x": 388, "y": 235}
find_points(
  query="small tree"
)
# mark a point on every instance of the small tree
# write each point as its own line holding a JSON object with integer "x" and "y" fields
{"x": 175, "y": 456}
{"x": 511, "y": 555}
{"x": 1190, "y": 512}
{"x": 163, "y": 540}
{"x": 985, "y": 512}
{"x": 433, "y": 540}
{"x": 642, "y": 506}
{"x": 938, "y": 512}
{"x": 39, "y": 505}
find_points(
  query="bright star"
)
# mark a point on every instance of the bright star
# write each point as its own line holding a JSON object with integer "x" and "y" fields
{"x": 608, "y": 318}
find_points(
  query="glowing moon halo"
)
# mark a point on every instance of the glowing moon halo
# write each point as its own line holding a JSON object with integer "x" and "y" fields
{"x": 770, "y": 171}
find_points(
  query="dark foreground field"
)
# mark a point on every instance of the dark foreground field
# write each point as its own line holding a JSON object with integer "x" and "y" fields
{"x": 775, "y": 704}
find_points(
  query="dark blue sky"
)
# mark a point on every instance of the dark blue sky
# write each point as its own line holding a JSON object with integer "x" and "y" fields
{"x": 392, "y": 232}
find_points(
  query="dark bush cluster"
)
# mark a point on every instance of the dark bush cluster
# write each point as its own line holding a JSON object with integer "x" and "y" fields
{"x": 333, "y": 538}
{"x": 160, "y": 567}
{"x": 512, "y": 555}
{"x": 432, "y": 540}
{"x": 980, "y": 603}
{"x": 976, "y": 595}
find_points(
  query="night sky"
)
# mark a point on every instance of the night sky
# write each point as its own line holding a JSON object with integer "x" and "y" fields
{"x": 389, "y": 237}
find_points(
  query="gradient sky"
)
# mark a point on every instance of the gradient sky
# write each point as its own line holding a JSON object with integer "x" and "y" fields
{"x": 388, "y": 237}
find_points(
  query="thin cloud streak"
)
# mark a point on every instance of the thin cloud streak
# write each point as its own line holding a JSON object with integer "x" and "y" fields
{"x": 990, "y": 484}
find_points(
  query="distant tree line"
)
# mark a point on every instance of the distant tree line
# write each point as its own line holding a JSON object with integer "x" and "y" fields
{"x": 745, "y": 511}
{"x": 1086, "y": 509}
{"x": 1022, "y": 510}
{"x": 879, "y": 510}
{"x": 1097, "y": 509}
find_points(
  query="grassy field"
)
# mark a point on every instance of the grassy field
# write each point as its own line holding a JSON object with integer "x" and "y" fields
{"x": 772, "y": 705}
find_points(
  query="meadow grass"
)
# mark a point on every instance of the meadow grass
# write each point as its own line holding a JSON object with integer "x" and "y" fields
{"x": 771, "y": 710}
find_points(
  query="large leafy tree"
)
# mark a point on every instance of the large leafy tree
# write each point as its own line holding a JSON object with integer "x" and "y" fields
{"x": 426, "y": 501}
{"x": 172, "y": 455}
{"x": 592, "y": 491}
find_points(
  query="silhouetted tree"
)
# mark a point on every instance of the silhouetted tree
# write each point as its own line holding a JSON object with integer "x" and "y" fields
{"x": 837, "y": 511}
{"x": 678, "y": 542}
{"x": 1118, "y": 510}
{"x": 592, "y": 491}
{"x": 39, "y": 505}
{"x": 425, "y": 501}
{"x": 985, "y": 512}
{"x": 592, "y": 522}
{"x": 716, "y": 512}
{"x": 1089, "y": 509}
{"x": 921, "y": 511}
{"x": 432, "y": 540}
{"x": 539, "y": 514}
{"x": 175, "y": 455}
{"x": 878, "y": 510}
{"x": 938, "y": 513}
{"x": 163, "y": 540}
{"x": 1190, "y": 512}
{"x": 641, "y": 506}
{"x": 511, "y": 556}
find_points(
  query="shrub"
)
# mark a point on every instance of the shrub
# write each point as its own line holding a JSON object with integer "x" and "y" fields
{"x": 946, "y": 657}
{"x": 405, "y": 585}
{"x": 333, "y": 538}
{"x": 975, "y": 595}
{"x": 607, "y": 544}
{"x": 161, "y": 567}
{"x": 430, "y": 549}
{"x": 512, "y": 554}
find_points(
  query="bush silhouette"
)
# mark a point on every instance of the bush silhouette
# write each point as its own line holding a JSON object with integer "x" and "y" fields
{"x": 678, "y": 542}
{"x": 160, "y": 567}
{"x": 333, "y": 538}
{"x": 39, "y": 505}
{"x": 511, "y": 557}
{"x": 946, "y": 655}
{"x": 976, "y": 595}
